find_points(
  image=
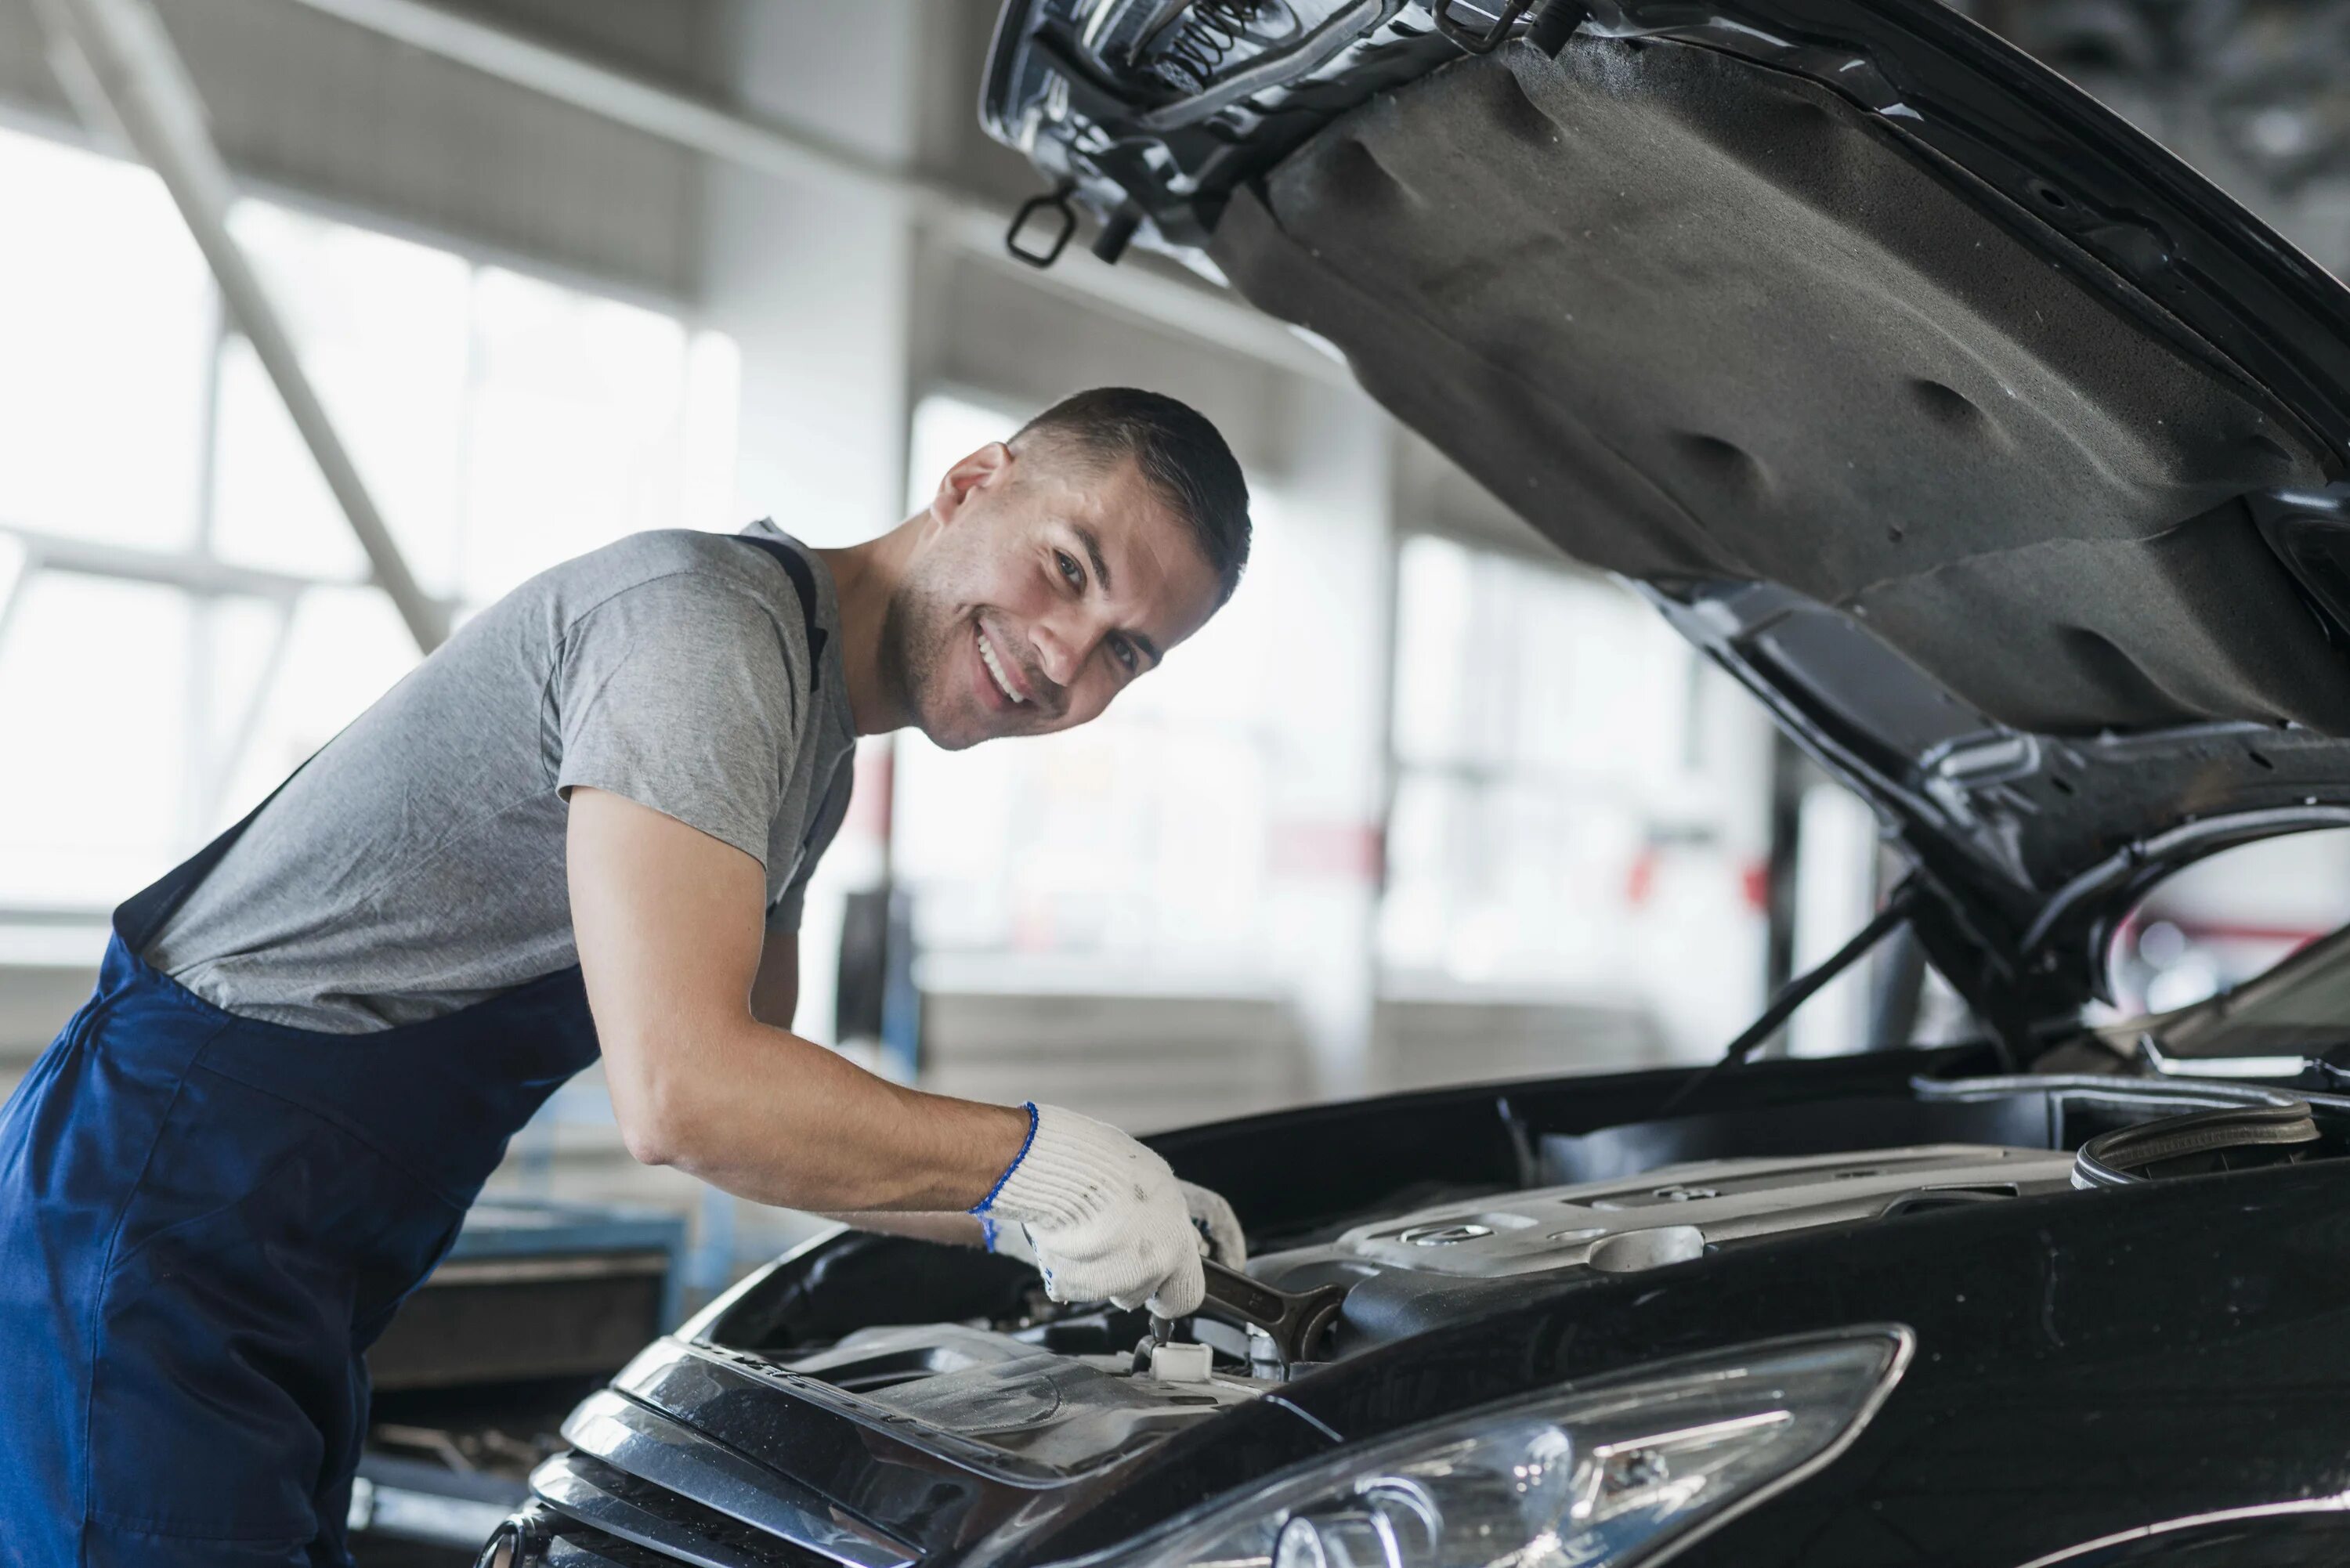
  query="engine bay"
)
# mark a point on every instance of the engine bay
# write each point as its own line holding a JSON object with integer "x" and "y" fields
{"x": 1040, "y": 1389}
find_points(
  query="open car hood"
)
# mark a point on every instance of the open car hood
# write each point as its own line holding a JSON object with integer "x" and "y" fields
{"x": 1997, "y": 451}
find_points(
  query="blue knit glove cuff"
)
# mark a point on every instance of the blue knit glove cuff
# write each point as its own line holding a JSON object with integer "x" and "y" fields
{"x": 987, "y": 1228}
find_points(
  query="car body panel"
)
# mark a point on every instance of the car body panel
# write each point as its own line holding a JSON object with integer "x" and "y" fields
{"x": 2034, "y": 1361}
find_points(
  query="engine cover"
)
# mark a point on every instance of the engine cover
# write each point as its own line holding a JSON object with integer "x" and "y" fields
{"x": 1672, "y": 1214}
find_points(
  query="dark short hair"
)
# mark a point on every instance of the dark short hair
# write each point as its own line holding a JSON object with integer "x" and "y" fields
{"x": 1182, "y": 457}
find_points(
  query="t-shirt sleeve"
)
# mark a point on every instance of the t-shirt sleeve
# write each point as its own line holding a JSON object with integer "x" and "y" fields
{"x": 678, "y": 694}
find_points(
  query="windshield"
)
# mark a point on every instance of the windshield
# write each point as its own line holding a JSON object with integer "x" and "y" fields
{"x": 2303, "y": 1005}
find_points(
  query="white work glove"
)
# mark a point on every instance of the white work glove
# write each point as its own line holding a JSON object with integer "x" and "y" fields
{"x": 1219, "y": 1229}
{"x": 1104, "y": 1219}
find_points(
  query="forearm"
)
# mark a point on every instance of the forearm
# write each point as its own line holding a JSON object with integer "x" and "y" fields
{"x": 671, "y": 941}
{"x": 956, "y": 1228}
{"x": 770, "y": 1116}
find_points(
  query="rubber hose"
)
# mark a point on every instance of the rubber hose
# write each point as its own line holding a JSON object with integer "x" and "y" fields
{"x": 2115, "y": 1159}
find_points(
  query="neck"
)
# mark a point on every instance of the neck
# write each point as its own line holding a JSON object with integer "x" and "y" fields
{"x": 865, "y": 576}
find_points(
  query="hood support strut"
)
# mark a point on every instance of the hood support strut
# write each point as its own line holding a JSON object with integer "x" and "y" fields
{"x": 1896, "y": 914}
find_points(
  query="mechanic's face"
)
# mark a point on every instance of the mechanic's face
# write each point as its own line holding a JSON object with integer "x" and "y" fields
{"x": 1042, "y": 589}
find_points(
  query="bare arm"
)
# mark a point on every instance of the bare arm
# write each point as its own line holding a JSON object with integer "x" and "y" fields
{"x": 774, "y": 998}
{"x": 955, "y": 1229}
{"x": 668, "y": 921}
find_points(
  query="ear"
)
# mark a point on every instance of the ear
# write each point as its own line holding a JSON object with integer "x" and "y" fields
{"x": 988, "y": 466}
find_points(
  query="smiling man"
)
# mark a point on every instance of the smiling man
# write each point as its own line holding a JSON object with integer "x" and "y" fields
{"x": 584, "y": 825}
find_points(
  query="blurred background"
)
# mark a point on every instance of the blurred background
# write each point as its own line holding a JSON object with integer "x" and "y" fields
{"x": 1427, "y": 804}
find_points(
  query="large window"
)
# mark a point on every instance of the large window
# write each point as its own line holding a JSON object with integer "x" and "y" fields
{"x": 182, "y": 616}
{"x": 1574, "y": 797}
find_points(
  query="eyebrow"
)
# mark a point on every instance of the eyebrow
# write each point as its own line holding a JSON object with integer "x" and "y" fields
{"x": 1092, "y": 542}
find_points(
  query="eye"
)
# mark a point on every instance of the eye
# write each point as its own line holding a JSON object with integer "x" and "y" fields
{"x": 1123, "y": 651}
{"x": 1069, "y": 568}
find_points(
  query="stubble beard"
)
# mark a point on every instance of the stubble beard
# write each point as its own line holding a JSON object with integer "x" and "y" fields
{"x": 913, "y": 647}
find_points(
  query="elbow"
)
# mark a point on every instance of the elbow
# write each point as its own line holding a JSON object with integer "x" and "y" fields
{"x": 655, "y": 1115}
{"x": 650, "y": 1140}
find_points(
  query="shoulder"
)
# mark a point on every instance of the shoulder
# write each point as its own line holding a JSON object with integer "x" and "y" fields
{"x": 724, "y": 560}
{"x": 715, "y": 581}
{"x": 693, "y": 611}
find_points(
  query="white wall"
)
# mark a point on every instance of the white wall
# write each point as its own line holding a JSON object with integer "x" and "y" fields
{"x": 1330, "y": 664}
{"x": 815, "y": 283}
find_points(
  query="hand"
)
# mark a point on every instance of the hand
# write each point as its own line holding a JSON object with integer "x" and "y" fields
{"x": 1218, "y": 1228}
{"x": 1104, "y": 1219}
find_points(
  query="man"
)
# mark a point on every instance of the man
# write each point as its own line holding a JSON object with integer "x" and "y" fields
{"x": 586, "y": 822}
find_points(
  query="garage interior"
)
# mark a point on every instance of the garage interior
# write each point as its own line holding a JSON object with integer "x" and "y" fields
{"x": 1429, "y": 804}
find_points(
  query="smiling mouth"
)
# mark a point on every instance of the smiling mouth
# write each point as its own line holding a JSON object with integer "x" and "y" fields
{"x": 995, "y": 669}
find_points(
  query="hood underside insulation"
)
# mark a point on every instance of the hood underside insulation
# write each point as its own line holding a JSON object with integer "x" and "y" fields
{"x": 1697, "y": 319}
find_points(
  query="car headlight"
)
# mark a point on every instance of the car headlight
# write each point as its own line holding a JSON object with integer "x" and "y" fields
{"x": 1604, "y": 1475}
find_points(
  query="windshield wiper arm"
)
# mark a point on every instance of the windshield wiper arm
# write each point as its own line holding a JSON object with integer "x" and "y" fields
{"x": 1804, "y": 986}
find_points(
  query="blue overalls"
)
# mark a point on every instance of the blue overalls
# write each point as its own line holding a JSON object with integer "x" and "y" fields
{"x": 205, "y": 1219}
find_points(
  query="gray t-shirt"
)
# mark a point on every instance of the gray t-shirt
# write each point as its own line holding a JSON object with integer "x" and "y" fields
{"x": 415, "y": 866}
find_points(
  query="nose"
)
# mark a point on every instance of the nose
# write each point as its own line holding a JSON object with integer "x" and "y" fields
{"x": 1058, "y": 655}
{"x": 1066, "y": 640}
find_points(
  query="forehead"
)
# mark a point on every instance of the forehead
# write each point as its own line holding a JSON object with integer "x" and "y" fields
{"x": 1160, "y": 576}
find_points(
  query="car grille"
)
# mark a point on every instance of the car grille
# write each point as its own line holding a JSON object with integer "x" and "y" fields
{"x": 672, "y": 1528}
{"x": 541, "y": 1538}
{"x": 642, "y": 1486}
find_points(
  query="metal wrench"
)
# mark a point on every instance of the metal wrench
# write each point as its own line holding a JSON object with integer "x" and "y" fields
{"x": 1295, "y": 1321}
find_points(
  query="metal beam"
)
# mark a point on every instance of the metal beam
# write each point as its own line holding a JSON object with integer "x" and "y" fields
{"x": 969, "y": 223}
{"x": 119, "y": 51}
{"x": 52, "y": 915}
{"x": 1189, "y": 310}
{"x": 199, "y": 575}
{"x": 15, "y": 576}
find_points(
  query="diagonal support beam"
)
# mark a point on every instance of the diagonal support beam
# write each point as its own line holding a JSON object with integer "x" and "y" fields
{"x": 18, "y": 562}
{"x": 115, "y": 58}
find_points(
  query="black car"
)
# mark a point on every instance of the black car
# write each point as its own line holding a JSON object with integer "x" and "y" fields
{"x": 2000, "y": 456}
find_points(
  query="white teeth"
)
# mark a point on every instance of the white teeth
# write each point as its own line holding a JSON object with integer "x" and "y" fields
{"x": 987, "y": 656}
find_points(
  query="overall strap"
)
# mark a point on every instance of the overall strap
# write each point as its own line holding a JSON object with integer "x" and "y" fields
{"x": 803, "y": 578}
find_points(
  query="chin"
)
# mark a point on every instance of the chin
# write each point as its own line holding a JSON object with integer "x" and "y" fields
{"x": 951, "y": 731}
